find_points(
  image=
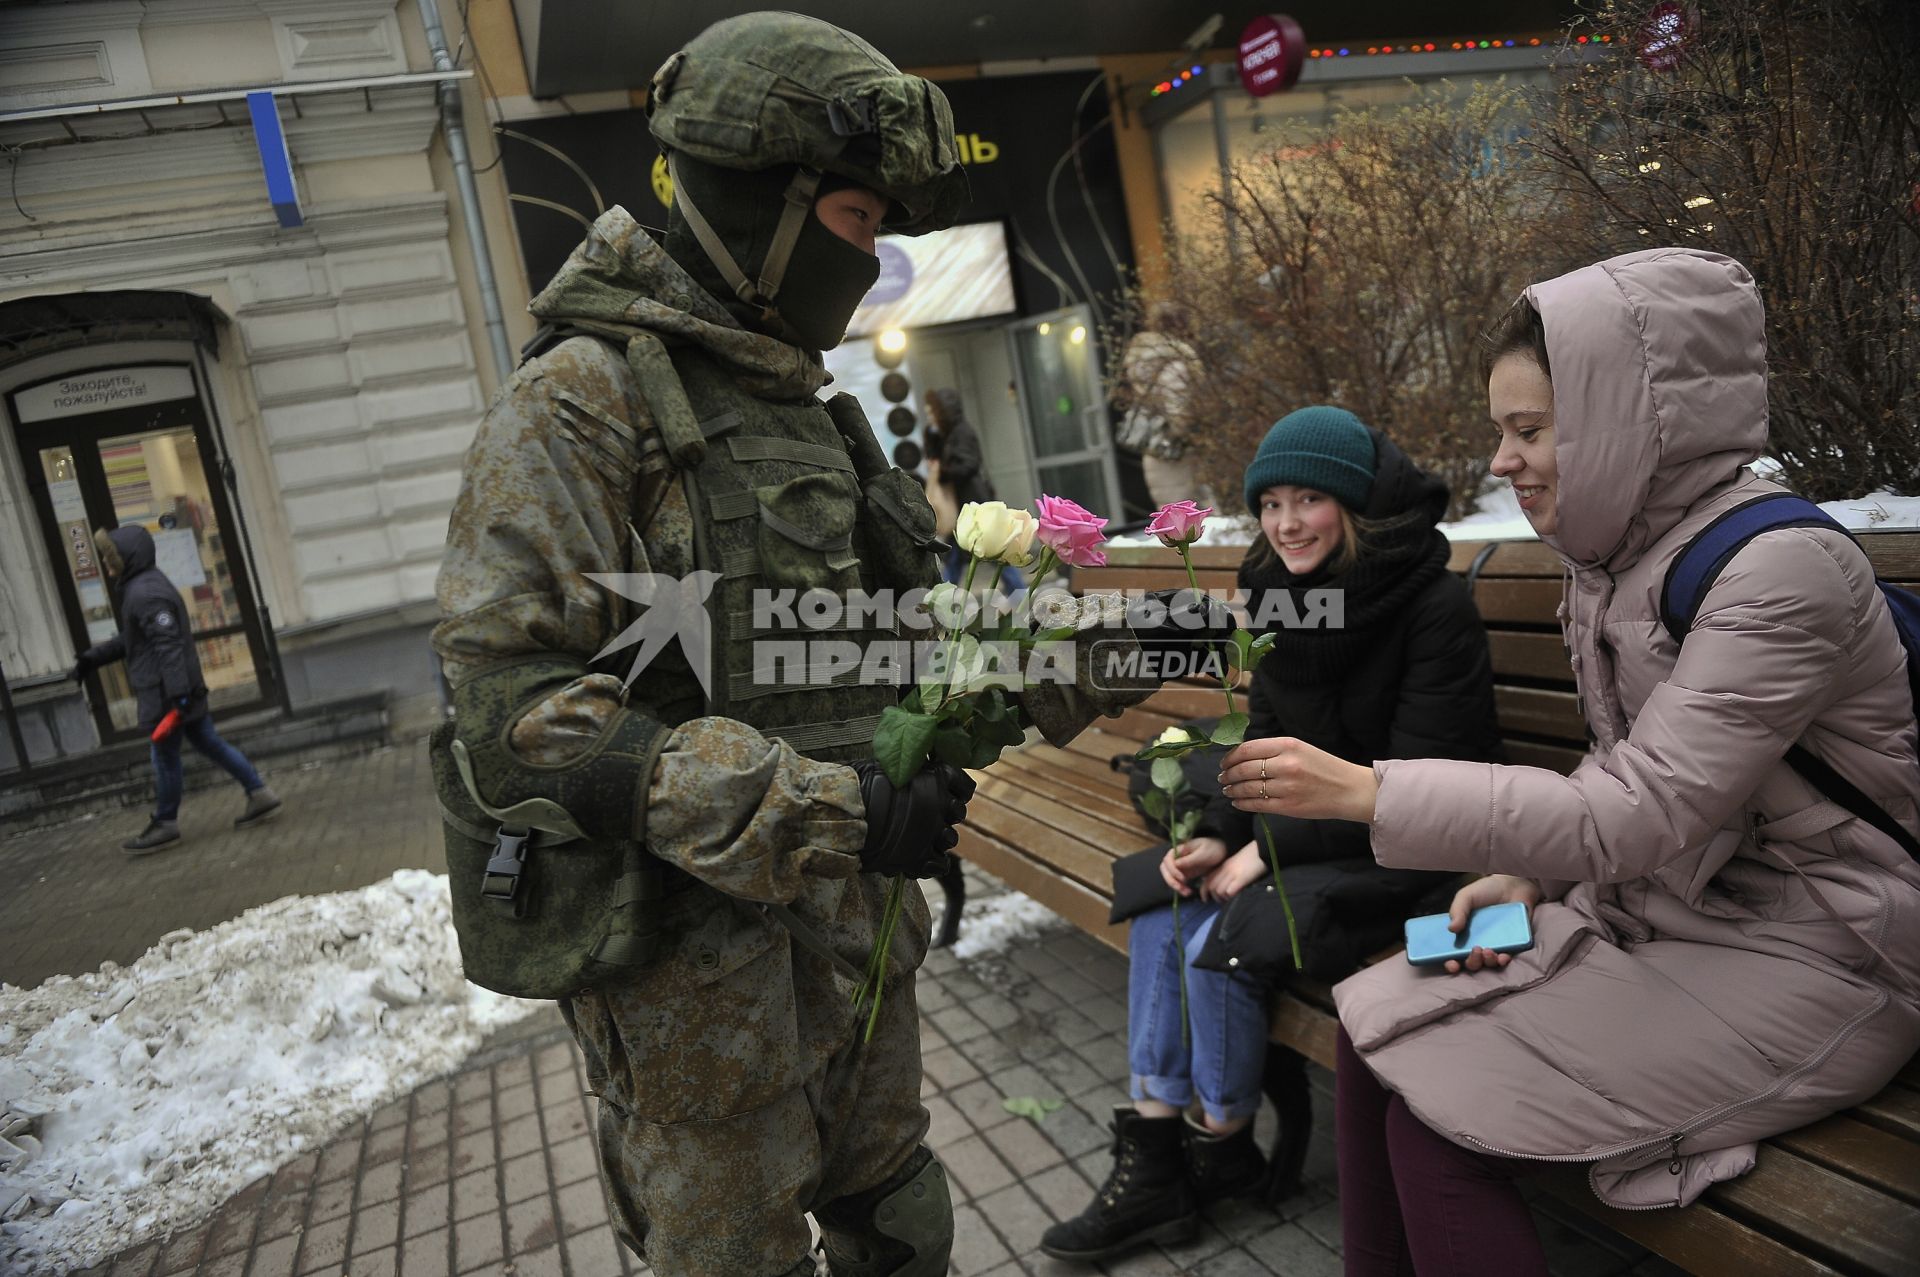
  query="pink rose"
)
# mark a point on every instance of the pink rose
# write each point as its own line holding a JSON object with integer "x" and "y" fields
{"x": 1074, "y": 533}
{"x": 1178, "y": 524}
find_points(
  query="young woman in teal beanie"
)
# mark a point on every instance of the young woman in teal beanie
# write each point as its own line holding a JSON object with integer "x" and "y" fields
{"x": 1401, "y": 670}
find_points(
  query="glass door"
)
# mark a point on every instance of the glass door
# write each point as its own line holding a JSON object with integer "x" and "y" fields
{"x": 1058, "y": 372}
{"x": 149, "y": 467}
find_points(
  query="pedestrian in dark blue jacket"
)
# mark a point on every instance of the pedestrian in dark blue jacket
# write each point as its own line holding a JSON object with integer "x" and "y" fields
{"x": 156, "y": 641}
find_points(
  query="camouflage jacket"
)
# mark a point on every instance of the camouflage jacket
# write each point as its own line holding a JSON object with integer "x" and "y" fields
{"x": 569, "y": 475}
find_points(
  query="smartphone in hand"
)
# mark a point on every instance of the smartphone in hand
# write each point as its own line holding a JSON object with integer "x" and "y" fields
{"x": 1496, "y": 928}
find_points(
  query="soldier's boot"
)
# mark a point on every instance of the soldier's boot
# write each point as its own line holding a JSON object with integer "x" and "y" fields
{"x": 903, "y": 1227}
{"x": 1146, "y": 1197}
{"x": 1223, "y": 1166}
{"x": 158, "y": 834}
{"x": 262, "y": 805}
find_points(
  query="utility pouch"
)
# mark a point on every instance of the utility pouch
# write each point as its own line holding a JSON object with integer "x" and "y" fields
{"x": 544, "y": 905}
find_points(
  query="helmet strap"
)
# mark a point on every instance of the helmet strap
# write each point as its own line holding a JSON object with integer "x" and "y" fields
{"x": 799, "y": 197}
{"x": 799, "y": 202}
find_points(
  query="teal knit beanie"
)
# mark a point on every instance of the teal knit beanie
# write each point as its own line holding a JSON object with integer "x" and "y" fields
{"x": 1322, "y": 447}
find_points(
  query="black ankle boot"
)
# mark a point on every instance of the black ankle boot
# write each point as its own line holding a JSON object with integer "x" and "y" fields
{"x": 1223, "y": 1166}
{"x": 1286, "y": 1085}
{"x": 1146, "y": 1197}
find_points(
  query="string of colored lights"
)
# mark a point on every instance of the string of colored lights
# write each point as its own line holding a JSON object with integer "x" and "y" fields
{"x": 1173, "y": 82}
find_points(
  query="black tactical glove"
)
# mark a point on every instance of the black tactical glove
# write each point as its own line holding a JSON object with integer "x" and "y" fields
{"x": 1181, "y": 624}
{"x": 910, "y": 831}
{"x": 82, "y": 666}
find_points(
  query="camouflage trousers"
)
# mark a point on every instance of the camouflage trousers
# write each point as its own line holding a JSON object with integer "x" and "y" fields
{"x": 713, "y": 1177}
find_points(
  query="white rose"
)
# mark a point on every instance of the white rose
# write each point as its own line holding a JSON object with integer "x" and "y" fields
{"x": 1174, "y": 736}
{"x": 1020, "y": 548}
{"x": 984, "y": 528}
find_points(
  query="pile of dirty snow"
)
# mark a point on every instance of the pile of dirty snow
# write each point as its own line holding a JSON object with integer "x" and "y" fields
{"x": 994, "y": 923}
{"x": 134, "y": 1101}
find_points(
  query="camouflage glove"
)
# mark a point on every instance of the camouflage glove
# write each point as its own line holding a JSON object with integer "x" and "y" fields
{"x": 910, "y": 831}
{"x": 1178, "y": 622}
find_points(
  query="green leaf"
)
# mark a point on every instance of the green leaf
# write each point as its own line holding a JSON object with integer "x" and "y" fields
{"x": 1155, "y": 801}
{"x": 993, "y": 706}
{"x": 1242, "y": 646}
{"x": 901, "y": 742}
{"x": 1182, "y": 827}
{"x": 1263, "y": 645}
{"x": 1231, "y": 731}
{"x": 952, "y": 745}
{"x": 1167, "y": 773}
{"x": 985, "y": 754}
{"x": 1028, "y": 1106}
{"x": 1006, "y": 731}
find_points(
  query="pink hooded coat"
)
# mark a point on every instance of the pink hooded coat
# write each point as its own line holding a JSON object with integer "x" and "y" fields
{"x": 1731, "y": 956}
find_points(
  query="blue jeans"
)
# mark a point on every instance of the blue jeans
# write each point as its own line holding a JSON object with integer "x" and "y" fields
{"x": 166, "y": 764}
{"x": 954, "y": 570}
{"x": 1227, "y": 1015}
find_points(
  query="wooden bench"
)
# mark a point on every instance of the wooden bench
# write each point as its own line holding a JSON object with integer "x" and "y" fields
{"x": 1839, "y": 1196}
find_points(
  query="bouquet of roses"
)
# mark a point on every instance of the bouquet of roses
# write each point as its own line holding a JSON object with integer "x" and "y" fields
{"x": 1179, "y": 526}
{"x": 960, "y": 710}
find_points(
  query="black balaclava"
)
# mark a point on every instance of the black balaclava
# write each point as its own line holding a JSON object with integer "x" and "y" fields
{"x": 825, "y": 277}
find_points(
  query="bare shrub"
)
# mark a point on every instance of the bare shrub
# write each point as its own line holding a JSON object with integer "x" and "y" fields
{"x": 1360, "y": 271}
{"x": 1787, "y": 138}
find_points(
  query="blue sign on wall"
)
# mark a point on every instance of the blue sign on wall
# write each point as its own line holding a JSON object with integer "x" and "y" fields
{"x": 275, "y": 163}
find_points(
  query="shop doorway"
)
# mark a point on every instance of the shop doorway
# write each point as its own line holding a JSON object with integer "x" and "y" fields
{"x": 1057, "y": 375}
{"x": 113, "y": 447}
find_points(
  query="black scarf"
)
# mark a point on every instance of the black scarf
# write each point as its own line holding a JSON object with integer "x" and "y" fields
{"x": 1399, "y": 562}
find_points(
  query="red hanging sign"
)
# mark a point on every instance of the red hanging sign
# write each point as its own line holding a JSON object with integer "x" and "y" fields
{"x": 1272, "y": 51}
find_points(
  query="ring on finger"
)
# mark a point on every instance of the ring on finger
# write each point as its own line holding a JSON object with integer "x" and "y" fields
{"x": 1263, "y": 789}
{"x": 1263, "y": 769}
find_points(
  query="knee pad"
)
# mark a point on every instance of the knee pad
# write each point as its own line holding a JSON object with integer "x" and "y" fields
{"x": 902, "y": 1227}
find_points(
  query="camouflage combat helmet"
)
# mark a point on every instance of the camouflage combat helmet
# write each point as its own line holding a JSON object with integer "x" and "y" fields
{"x": 767, "y": 89}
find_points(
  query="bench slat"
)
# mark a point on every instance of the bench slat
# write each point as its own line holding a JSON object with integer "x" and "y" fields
{"x": 1540, "y": 712}
{"x": 1110, "y": 808}
{"x": 1089, "y": 865}
{"x": 1863, "y": 1152}
{"x": 1031, "y": 801}
{"x": 1511, "y": 558}
{"x": 1305, "y": 1028}
{"x": 1182, "y": 701}
{"x": 1524, "y": 654}
{"x": 1218, "y": 581}
{"x": 1895, "y": 1109}
{"x": 1836, "y": 1219}
{"x": 1069, "y": 899}
{"x": 1562, "y": 759}
{"x": 1517, "y": 599}
{"x": 1699, "y": 1239}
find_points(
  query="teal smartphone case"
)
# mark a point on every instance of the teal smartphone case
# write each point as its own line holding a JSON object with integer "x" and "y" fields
{"x": 1500, "y": 928}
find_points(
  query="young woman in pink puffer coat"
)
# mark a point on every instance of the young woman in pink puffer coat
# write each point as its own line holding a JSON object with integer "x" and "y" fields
{"x": 1721, "y": 953}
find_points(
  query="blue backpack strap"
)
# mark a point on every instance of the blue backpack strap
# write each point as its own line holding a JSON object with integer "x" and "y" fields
{"x": 1698, "y": 566}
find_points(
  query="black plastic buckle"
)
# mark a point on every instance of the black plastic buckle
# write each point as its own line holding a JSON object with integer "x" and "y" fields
{"x": 501, "y": 881}
{"x": 851, "y": 117}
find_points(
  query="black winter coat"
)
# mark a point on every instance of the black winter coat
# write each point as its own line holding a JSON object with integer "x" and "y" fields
{"x": 956, "y": 446}
{"x": 155, "y": 638}
{"x": 1420, "y": 687}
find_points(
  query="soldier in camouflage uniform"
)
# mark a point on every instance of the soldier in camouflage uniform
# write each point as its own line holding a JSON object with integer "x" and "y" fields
{"x": 669, "y": 424}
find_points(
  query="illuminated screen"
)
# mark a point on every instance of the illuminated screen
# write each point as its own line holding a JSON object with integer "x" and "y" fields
{"x": 962, "y": 272}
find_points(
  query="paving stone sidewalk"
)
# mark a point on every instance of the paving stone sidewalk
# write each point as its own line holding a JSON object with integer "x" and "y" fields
{"x": 491, "y": 1170}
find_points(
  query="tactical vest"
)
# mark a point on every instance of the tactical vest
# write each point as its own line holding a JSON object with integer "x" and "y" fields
{"x": 552, "y": 891}
{"x": 797, "y": 511}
